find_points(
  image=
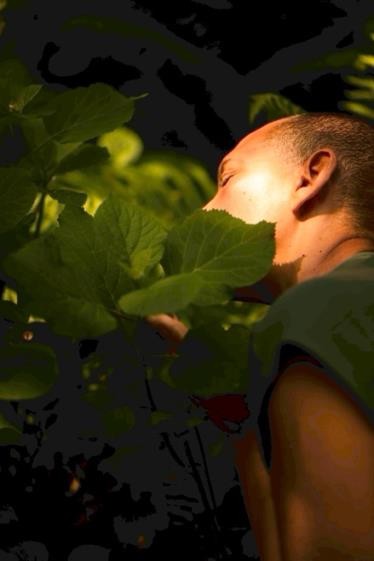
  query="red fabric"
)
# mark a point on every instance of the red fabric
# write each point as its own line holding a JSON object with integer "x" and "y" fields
{"x": 232, "y": 407}
{"x": 221, "y": 408}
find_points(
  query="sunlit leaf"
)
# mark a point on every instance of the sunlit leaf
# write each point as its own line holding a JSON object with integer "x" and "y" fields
{"x": 206, "y": 256}
{"x": 166, "y": 295}
{"x": 123, "y": 145}
{"x": 363, "y": 61}
{"x": 272, "y": 105}
{"x": 222, "y": 250}
{"x": 85, "y": 113}
{"x": 358, "y": 108}
{"x": 73, "y": 277}
{"x": 361, "y": 82}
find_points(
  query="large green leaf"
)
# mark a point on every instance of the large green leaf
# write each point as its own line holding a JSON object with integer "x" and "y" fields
{"x": 27, "y": 370}
{"x": 16, "y": 237}
{"x": 166, "y": 295}
{"x": 83, "y": 157}
{"x": 272, "y": 105}
{"x": 206, "y": 256}
{"x": 25, "y": 96}
{"x": 85, "y": 113}
{"x": 42, "y": 157}
{"x": 40, "y": 105}
{"x": 68, "y": 196}
{"x": 10, "y": 311}
{"x": 73, "y": 276}
{"x": 17, "y": 194}
{"x": 220, "y": 247}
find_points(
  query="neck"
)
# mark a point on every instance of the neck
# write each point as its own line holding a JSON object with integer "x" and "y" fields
{"x": 310, "y": 264}
{"x": 324, "y": 260}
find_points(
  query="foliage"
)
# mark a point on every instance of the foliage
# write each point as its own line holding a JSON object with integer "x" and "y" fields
{"x": 97, "y": 234}
{"x": 361, "y": 97}
{"x": 271, "y": 106}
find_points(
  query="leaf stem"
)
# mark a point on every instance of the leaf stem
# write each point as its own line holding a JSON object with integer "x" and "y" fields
{"x": 40, "y": 211}
{"x": 121, "y": 315}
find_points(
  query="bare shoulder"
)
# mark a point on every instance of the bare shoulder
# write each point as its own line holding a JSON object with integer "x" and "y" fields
{"x": 322, "y": 469}
{"x": 305, "y": 392}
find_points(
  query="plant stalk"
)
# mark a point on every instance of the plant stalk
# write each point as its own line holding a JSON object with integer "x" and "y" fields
{"x": 40, "y": 211}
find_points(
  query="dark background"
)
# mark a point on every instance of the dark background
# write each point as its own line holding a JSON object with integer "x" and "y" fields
{"x": 199, "y": 61}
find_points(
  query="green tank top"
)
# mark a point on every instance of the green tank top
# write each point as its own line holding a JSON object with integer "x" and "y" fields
{"x": 329, "y": 318}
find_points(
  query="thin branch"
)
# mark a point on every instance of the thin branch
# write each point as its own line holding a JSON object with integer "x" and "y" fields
{"x": 164, "y": 435}
{"x": 203, "y": 455}
{"x": 166, "y": 439}
{"x": 196, "y": 476}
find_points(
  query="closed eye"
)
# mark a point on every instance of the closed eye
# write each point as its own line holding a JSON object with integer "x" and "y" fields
{"x": 224, "y": 180}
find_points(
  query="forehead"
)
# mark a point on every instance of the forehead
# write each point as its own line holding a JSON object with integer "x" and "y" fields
{"x": 250, "y": 145}
{"x": 259, "y": 136}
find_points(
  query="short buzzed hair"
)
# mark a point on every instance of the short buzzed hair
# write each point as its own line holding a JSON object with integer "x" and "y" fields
{"x": 352, "y": 140}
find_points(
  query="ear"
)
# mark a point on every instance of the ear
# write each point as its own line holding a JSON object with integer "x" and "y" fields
{"x": 316, "y": 173}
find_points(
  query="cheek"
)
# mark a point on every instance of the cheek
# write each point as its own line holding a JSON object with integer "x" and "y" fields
{"x": 234, "y": 200}
{"x": 263, "y": 192}
{"x": 251, "y": 198}
{"x": 261, "y": 185}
